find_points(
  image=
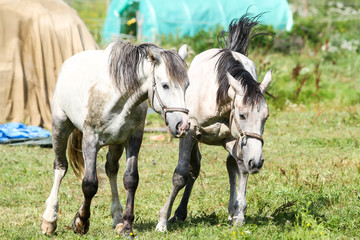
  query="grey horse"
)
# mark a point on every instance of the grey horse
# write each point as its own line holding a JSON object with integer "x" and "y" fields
{"x": 100, "y": 99}
{"x": 227, "y": 108}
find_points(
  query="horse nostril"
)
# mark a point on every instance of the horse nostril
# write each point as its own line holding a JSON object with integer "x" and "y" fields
{"x": 261, "y": 162}
{"x": 178, "y": 125}
{"x": 251, "y": 163}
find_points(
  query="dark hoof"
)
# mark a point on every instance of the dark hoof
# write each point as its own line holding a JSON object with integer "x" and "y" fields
{"x": 176, "y": 219}
{"x": 80, "y": 226}
{"x": 48, "y": 228}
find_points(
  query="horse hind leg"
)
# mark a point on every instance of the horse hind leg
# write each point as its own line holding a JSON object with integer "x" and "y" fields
{"x": 179, "y": 180}
{"x": 112, "y": 167}
{"x": 195, "y": 164}
{"x": 61, "y": 129}
{"x": 89, "y": 185}
{"x": 131, "y": 180}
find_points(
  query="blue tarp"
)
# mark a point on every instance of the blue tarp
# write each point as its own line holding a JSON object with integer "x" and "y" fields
{"x": 10, "y": 131}
{"x": 187, "y": 17}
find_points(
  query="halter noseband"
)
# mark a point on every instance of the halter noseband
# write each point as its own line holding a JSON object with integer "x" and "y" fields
{"x": 243, "y": 134}
{"x": 164, "y": 108}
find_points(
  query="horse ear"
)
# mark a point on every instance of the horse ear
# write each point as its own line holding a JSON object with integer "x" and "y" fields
{"x": 235, "y": 85}
{"x": 266, "y": 81}
{"x": 151, "y": 55}
{"x": 183, "y": 51}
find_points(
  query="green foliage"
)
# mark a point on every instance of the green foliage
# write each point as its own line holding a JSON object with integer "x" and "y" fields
{"x": 93, "y": 13}
{"x": 201, "y": 41}
{"x": 126, "y": 26}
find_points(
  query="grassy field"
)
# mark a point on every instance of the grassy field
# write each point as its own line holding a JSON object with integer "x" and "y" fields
{"x": 308, "y": 188}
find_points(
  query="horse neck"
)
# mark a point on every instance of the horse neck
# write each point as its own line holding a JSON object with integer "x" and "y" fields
{"x": 145, "y": 81}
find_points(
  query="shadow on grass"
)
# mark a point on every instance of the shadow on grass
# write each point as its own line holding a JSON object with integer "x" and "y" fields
{"x": 280, "y": 218}
{"x": 290, "y": 215}
{"x": 196, "y": 220}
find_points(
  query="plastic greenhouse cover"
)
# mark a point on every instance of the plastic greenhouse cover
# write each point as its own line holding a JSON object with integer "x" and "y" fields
{"x": 187, "y": 17}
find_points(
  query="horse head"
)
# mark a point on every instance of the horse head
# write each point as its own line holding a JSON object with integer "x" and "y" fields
{"x": 247, "y": 122}
{"x": 168, "y": 85}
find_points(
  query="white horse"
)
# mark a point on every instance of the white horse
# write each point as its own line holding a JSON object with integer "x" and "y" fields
{"x": 100, "y": 98}
{"x": 227, "y": 108}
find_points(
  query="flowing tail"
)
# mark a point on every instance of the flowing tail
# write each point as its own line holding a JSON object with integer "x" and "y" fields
{"x": 76, "y": 159}
{"x": 75, "y": 153}
{"x": 239, "y": 34}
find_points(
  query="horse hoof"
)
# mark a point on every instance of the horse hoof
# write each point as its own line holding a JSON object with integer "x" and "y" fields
{"x": 123, "y": 231}
{"x": 173, "y": 219}
{"x": 161, "y": 227}
{"x": 238, "y": 222}
{"x": 119, "y": 227}
{"x": 79, "y": 226}
{"x": 48, "y": 228}
{"x": 176, "y": 219}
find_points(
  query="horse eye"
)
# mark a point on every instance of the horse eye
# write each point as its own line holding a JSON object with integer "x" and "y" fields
{"x": 242, "y": 116}
{"x": 165, "y": 85}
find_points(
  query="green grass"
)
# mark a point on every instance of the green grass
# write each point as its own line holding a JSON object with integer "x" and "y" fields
{"x": 307, "y": 189}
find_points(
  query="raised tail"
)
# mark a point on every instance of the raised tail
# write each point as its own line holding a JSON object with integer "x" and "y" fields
{"x": 76, "y": 159}
{"x": 239, "y": 34}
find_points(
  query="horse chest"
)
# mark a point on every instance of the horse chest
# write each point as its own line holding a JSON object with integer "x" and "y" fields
{"x": 121, "y": 128}
{"x": 214, "y": 134}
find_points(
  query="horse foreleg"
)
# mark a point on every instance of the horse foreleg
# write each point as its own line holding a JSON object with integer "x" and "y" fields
{"x": 81, "y": 221}
{"x": 195, "y": 164}
{"x": 60, "y": 134}
{"x": 112, "y": 167}
{"x": 179, "y": 180}
{"x": 239, "y": 217}
{"x": 232, "y": 170}
{"x": 131, "y": 180}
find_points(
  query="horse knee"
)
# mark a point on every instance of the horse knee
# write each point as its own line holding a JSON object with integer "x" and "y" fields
{"x": 89, "y": 186}
{"x": 61, "y": 164}
{"x": 179, "y": 180}
{"x": 131, "y": 175}
{"x": 111, "y": 168}
{"x": 131, "y": 180}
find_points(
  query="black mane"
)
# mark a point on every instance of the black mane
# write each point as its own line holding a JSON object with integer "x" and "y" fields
{"x": 125, "y": 59}
{"x": 238, "y": 37}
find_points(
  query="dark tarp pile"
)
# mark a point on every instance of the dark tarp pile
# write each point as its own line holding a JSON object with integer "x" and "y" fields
{"x": 35, "y": 38}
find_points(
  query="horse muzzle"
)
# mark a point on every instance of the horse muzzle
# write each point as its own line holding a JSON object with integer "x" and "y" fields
{"x": 182, "y": 128}
{"x": 254, "y": 166}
